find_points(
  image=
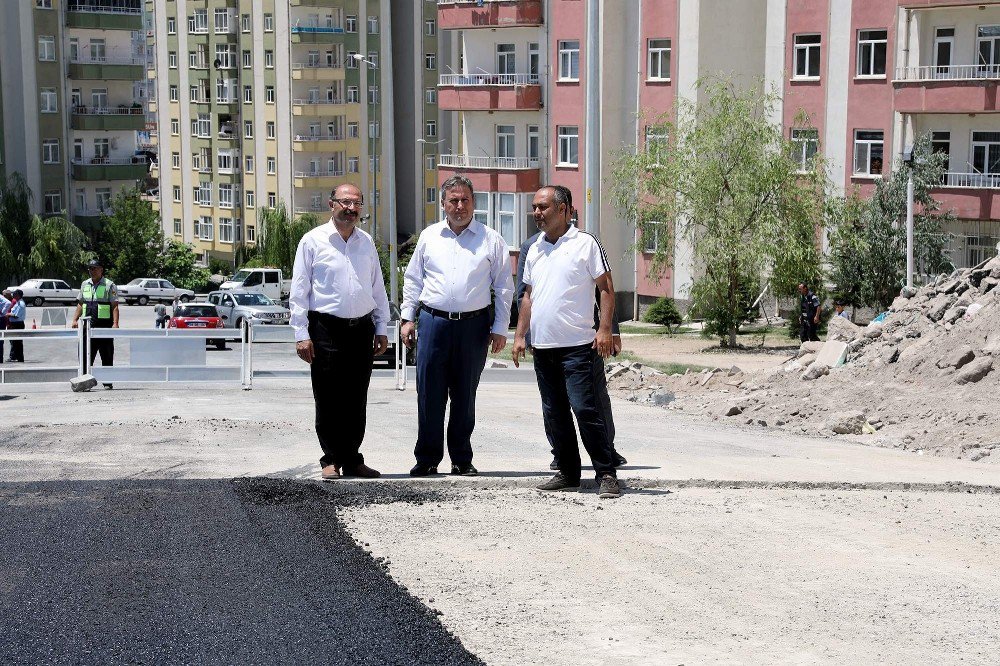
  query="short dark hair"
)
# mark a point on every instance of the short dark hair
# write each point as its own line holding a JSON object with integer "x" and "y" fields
{"x": 458, "y": 180}
{"x": 561, "y": 195}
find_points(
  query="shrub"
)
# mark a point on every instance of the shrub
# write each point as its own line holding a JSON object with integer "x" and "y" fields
{"x": 663, "y": 312}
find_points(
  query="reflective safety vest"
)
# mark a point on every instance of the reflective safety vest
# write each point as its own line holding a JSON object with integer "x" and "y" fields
{"x": 97, "y": 299}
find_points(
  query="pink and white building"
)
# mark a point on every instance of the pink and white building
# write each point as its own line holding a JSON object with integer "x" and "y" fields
{"x": 869, "y": 75}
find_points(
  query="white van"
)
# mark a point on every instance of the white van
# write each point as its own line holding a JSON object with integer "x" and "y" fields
{"x": 268, "y": 281}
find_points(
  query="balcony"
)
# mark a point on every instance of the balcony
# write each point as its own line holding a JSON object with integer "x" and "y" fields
{"x": 317, "y": 143}
{"x": 318, "y": 179}
{"x": 108, "y": 168}
{"x": 946, "y": 89}
{"x": 303, "y": 71}
{"x": 469, "y": 14}
{"x": 99, "y": 17}
{"x": 311, "y": 107}
{"x": 489, "y": 92}
{"x": 493, "y": 174}
{"x": 89, "y": 220}
{"x": 970, "y": 181}
{"x": 121, "y": 117}
{"x": 308, "y": 32}
{"x": 110, "y": 68}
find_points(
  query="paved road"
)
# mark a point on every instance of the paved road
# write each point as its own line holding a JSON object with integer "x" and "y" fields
{"x": 252, "y": 571}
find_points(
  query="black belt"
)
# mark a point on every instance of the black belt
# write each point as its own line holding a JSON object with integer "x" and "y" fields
{"x": 455, "y": 315}
{"x": 342, "y": 321}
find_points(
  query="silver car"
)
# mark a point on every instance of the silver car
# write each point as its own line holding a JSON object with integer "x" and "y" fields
{"x": 236, "y": 306}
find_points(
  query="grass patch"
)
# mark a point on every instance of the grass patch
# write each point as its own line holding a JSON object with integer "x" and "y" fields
{"x": 659, "y": 330}
{"x": 667, "y": 367}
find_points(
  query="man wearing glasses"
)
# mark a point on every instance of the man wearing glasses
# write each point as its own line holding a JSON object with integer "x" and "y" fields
{"x": 340, "y": 314}
{"x": 447, "y": 291}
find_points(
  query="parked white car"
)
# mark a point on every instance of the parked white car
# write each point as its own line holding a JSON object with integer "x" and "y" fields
{"x": 38, "y": 291}
{"x": 237, "y": 305}
{"x": 144, "y": 290}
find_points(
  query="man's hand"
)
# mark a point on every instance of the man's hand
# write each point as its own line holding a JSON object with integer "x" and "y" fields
{"x": 114, "y": 325}
{"x": 76, "y": 323}
{"x": 603, "y": 343}
{"x": 816, "y": 319}
{"x": 381, "y": 344}
{"x": 616, "y": 345}
{"x": 497, "y": 343}
{"x": 407, "y": 334}
{"x": 520, "y": 347}
{"x": 304, "y": 350}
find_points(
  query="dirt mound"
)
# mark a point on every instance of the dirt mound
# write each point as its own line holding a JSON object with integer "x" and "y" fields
{"x": 925, "y": 378}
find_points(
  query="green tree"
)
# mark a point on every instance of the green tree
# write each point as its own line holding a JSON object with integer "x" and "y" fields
{"x": 665, "y": 313}
{"x": 131, "y": 240}
{"x": 278, "y": 238}
{"x": 58, "y": 249}
{"x": 727, "y": 180}
{"x": 868, "y": 236}
{"x": 15, "y": 228}
{"x": 178, "y": 263}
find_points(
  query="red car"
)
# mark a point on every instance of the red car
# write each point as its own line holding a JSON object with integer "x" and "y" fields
{"x": 198, "y": 315}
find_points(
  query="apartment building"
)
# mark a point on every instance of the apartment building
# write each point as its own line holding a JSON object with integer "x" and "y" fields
{"x": 74, "y": 89}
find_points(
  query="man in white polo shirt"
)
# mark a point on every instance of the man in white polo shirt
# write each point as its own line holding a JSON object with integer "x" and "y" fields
{"x": 560, "y": 272}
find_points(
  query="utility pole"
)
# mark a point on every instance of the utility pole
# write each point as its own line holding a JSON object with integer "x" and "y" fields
{"x": 592, "y": 150}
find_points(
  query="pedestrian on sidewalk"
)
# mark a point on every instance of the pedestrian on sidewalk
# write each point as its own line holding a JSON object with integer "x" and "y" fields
{"x": 160, "y": 317}
{"x": 602, "y": 388}
{"x": 809, "y": 314}
{"x": 340, "y": 313}
{"x": 446, "y": 297}
{"x": 16, "y": 315}
{"x": 98, "y": 298}
{"x": 5, "y": 297}
{"x": 560, "y": 272}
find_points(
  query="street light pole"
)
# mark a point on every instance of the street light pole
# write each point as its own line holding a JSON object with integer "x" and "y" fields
{"x": 909, "y": 230}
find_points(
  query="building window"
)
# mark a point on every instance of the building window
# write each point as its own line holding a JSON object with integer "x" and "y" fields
{"x": 46, "y": 48}
{"x": 430, "y": 61}
{"x": 173, "y": 93}
{"x": 373, "y": 129}
{"x": 198, "y": 22}
{"x": 177, "y": 193}
{"x": 351, "y": 23}
{"x": 175, "y": 160}
{"x": 506, "y": 62}
{"x": 247, "y": 60}
{"x": 807, "y": 56}
{"x": 431, "y": 195}
{"x": 430, "y": 27}
{"x": 868, "y": 146}
{"x": 221, "y": 20}
{"x": 373, "y": 97}
{"x": 269, "y": 127}
{"x": 245, "y": 23}
{"x": 871, "y": 52}
{"x": 269, "y": 59}
{"x": 569, "y": 146}
{"x": 351, "y": 63}
{"x": 225, "y": 230}
{"x": 247, "y": 129}
{"x": 431, "y": 128}
{"x": 656, "y": 143}
{"x": 251, "y": 201}
{"x": 504, "y": 209}
{"x": 431, "y": 161}
{"x": 272, "y": 165}
{"x": 272, "y": 200}
{"x": 430, "y": 96}
{"x": 373, "y": 59}
{"x": 53, "y": 201}
{"x": 269, "y": 94}
{"x": 49, "y": 102}
{"x": 247, "y": 94}
{"x": 251, "y": 233}
{"x": 43, "y": 4}
{"x": 50, "y": 151}
{"x": 268, "y": 22}
{"x": 352, "y": 164}
{"x": 177, "y": 226}
{"x": 206, "y": 230}
{"x": 505, "y": 142}
{"x": 986, "y": 153}
{"x": 651, "y": 237}
{"x": 248, "y": 163}
{"x": 175, "y": 126}
{"x": 171, "y": 25}
{"x": 352, "y": 130}
{"x": 172, "y": 60}
{"x": 372, "y": 25}
{"x": 534, "y": 142}
{"x": 203, "y": 193}
{"x": 805, "y": 145}
{"x": 202, "y": 125}
{"x": 658, "y": 60}
{"x": 569, "y": 60}
{"x": 353, "y": 97}
{"x": 941, "y": 143}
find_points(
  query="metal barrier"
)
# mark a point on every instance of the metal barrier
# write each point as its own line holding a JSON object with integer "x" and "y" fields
{"x": 169, "y": 355}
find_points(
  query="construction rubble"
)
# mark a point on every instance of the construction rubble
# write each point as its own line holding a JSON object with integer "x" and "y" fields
{"x": 926, "y": 378}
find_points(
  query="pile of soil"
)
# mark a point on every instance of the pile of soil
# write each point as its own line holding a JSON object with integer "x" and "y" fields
{"x": 924, "y": 378}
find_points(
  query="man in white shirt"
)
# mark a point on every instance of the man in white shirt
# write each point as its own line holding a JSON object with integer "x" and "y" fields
{"x": 560, "y": 272}
{"x": 447, "y": 294}
{"x": 340, "y": 314}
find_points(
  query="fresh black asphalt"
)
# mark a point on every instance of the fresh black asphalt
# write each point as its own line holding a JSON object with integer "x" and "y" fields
{"x": 248, "y": 571}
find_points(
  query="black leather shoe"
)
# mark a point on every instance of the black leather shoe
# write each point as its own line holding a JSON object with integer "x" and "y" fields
{"x": 464, "y": 470}
{"x": 423, "y": 470}
{"x": 554, "y": 464}
{"x": 618, "y": 459}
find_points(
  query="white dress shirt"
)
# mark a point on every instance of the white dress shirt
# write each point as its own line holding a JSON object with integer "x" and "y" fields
{"x": 338, "y": 277}
{"x": 455, "y": 273}
{"x": 562, "y": 276}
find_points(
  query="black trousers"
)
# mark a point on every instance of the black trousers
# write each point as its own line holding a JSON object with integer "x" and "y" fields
{"x": 341, "y": 372}
{"x": 16, "y": 346}
{"x": 568, "y": 379}
{"x": 103, "y": 346}
{"x": 605, "y": 399}
{"x": 809, "y": 331}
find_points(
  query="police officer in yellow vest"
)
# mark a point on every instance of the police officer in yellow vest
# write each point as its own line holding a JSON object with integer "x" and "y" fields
{"x": 99, "y": 297}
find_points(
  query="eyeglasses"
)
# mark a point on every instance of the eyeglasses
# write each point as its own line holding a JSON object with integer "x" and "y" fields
{"x": 350, "y": 203}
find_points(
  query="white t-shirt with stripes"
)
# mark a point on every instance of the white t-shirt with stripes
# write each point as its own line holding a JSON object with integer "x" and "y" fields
{"x": 562, "y": 277}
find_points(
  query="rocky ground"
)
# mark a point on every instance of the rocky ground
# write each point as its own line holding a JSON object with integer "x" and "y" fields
{"x": 922, "y": 379}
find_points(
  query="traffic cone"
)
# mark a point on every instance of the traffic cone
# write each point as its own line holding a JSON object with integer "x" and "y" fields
{"x": 33, "y": 325}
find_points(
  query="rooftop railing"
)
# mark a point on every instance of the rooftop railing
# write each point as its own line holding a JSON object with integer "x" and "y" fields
{"x": 948, "y": 72}
{"x": 488, "y": 80}
{"x": 484, "y": 162}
